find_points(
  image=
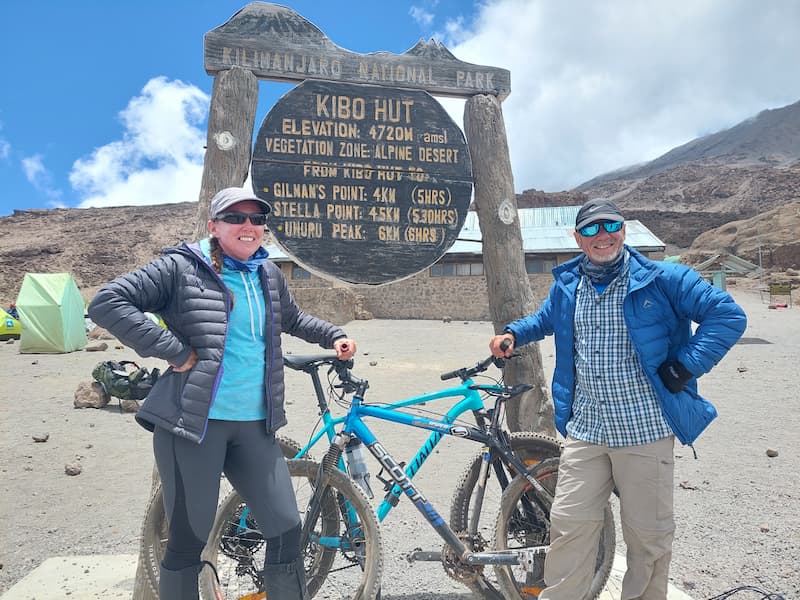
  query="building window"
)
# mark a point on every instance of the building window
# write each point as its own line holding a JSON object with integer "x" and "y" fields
{"x": 299, "y": 273}
{"x": 456, "y": 269}
{"x": 535, "y": 266}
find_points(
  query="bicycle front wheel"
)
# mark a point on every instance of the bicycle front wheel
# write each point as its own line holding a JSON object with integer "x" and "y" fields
{"x": 155, "y": 529}
{"x": 531, "y": 448}
{"x": 517, "y": 528}
{"x": 343, "y": 555}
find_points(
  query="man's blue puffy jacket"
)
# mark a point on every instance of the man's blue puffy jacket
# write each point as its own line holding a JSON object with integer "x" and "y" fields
{"x": 663, "y": 300}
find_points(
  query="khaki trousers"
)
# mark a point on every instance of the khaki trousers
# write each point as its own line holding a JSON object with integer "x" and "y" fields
{"x": 587, "y": 474}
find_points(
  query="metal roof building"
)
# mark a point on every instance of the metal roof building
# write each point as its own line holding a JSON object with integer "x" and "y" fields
{"x": 544, "y": 231}
{"x": 549, "y": 231}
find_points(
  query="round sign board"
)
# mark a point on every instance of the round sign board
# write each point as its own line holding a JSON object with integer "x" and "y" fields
{"x": 367, "y": 184}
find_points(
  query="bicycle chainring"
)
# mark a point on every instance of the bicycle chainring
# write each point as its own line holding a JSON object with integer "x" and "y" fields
{"x": 456, "y": 569}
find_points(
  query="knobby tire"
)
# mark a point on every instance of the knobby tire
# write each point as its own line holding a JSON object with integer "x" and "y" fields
{"x": 155, "y": 529}
{"x": 531, "y": 448}
{"x": 353, "y": 572}
{"x": 514, "y": 530}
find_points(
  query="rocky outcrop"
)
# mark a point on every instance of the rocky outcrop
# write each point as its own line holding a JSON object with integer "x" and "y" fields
{"x": 736, "y": 174}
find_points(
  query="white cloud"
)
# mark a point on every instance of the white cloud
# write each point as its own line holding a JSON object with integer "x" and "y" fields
{"x": 5, "y": 147}
{"x": 159, "y": 159}
{"x": 595, "y": 86}
{"x": 423, "y": 17}
{"x": 40, "y": 178}
{"x": 35, "y": 172}
{"x": 33, "y": 167}
{"x": 601, "y": 85}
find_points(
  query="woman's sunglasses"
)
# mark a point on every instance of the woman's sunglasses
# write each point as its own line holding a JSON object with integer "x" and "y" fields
{"x": 594, "y": 228}
{"x": 237, "y": 218}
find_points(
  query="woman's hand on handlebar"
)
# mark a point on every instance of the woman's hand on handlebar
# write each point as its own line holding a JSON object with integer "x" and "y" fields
{"x": 502, "y": 346}
{"x": 345, "y": 348}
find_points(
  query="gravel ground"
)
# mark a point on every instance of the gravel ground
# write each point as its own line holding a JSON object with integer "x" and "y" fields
{"x": 737, "y": 510}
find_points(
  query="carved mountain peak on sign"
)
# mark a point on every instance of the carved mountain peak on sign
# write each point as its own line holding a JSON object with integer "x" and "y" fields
{"x": 274, "y": 42}
{"x": 431, "y": 49}
{"x": 260, "y": 18}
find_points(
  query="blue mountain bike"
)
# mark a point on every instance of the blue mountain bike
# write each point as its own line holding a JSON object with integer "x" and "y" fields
{"x": 498, "y": 530}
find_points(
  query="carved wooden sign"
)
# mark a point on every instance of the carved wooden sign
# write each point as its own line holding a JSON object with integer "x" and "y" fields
{"x": 367, "y": 184}
{"x": 275, "y": 42}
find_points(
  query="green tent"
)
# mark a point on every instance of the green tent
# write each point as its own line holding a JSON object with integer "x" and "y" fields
{"x": 51, "y": 313}
{"x": 9, "y": 327}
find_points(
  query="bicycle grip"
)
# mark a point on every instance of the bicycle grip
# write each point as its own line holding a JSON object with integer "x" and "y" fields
{"x": 450, "y": 375}
{"x": 505, "y": 344}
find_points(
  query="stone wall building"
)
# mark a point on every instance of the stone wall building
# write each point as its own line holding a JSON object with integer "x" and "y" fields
{"x": 455, "y": 286}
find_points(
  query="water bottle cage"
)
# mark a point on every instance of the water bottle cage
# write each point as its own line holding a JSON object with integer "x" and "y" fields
{"x": 388, "y": 482}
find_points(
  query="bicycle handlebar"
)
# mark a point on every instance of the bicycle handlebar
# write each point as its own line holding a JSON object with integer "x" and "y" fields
{"x": 467, "y": 372}
{"x": 351, "y": 383}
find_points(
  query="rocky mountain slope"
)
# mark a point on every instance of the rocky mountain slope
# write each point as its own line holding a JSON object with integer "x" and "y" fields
{"x": 739, "y": 188}
{"x": 771, "y": 239}
{"x": 771, "y": 138}
{"x": 94, "y": 244}
{"x": 735, "y": 174}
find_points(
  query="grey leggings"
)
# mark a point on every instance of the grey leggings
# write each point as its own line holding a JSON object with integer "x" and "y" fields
{"x": 254, "y": 465}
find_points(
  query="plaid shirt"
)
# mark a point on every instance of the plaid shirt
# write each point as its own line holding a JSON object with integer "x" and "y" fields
{"x": 614, "y": 403}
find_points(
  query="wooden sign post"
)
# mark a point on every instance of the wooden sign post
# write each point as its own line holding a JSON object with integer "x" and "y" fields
{"x": 368, "y": 177}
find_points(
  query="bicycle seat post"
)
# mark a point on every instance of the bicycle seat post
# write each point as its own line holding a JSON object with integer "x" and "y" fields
{"x": 322, "y": 403}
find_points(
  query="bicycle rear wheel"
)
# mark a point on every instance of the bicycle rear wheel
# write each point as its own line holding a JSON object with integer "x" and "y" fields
{"x": 155, "y": 528}
{"x": 516, "y": 528}
{"x": 343, "y": 555}
{"x": 531, "y": 448}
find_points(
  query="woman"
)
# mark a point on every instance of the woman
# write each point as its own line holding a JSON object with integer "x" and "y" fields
{"x": 217, "y": 408}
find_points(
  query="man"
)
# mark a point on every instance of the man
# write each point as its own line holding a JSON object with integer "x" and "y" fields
{"x": 625, "y": 385}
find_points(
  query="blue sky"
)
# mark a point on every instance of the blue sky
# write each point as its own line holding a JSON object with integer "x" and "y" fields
{"x": 105, "y": 103}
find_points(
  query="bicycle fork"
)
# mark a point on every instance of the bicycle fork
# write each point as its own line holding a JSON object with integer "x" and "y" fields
{"x": 329, "y": 462}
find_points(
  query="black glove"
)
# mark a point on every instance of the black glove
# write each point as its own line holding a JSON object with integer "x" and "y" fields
{"x": 674, "y": 375}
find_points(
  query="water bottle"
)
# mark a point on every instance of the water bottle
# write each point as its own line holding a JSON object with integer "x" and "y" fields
{"x": 357, "y": 465}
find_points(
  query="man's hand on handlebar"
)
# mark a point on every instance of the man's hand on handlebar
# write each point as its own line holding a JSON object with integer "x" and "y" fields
{"x": 502, "y": 346}
{"x": 345, "y": 348}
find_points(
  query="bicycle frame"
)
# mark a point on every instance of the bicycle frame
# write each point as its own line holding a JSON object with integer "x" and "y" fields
{"x": 470, "y": 400}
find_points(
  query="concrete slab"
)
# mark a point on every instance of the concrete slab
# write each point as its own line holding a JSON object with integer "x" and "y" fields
{"x": 613, "y": 588}
{"x": 110, "y": 577}
{"x": 102, "y": 576}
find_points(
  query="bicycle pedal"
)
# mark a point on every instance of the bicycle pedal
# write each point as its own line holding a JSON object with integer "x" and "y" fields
{"x": 419, "y": 554}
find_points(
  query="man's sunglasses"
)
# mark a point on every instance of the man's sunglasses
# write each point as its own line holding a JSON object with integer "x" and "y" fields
{"x": 594, "y": 228}
{"x": 237, "y": 218}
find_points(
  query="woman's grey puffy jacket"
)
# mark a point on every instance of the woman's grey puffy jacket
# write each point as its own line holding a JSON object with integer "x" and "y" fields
{"x": 190, "y": 297}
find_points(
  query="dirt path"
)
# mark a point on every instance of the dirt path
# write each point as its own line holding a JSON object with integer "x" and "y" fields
{"x": 737, "y": 509}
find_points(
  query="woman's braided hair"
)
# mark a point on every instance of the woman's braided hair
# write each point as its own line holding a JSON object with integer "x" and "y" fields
{"x": 216, "y": 259}
{"x": 216, "y": 255}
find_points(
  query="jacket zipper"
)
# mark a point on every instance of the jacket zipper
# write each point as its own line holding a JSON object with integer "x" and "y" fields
{"x": 269, "y": 334}
{"x": 224, "y": 337}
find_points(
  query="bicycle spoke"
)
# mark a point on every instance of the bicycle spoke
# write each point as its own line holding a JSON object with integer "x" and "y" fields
{"x": 341, "y": 562}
